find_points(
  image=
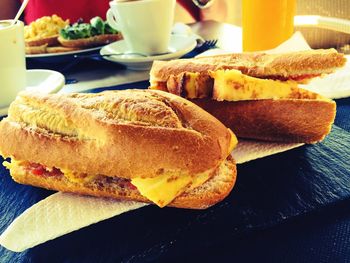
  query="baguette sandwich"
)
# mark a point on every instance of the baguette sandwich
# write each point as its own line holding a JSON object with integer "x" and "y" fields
{"x": 257, "y": 95}
{"x": 142, "y": 145}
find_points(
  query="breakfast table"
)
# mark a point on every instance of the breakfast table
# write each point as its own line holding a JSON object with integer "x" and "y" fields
{"x": 288, "y": 207}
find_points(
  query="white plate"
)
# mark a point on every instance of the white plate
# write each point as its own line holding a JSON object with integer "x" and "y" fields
{"x": 61, "y": 56}
{"x": 179, "y": 46}
{"x": 41, "y": 81}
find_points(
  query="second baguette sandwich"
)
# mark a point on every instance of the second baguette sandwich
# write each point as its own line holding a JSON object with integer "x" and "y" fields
{"x": 256, "y": 94}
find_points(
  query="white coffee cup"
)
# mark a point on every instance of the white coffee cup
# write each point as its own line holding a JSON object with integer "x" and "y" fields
{"x": 145, "y": 24}
{"x": 12, "y": 61}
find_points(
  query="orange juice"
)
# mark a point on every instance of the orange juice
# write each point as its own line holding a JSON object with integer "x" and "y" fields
{"x": 267, "y": 23}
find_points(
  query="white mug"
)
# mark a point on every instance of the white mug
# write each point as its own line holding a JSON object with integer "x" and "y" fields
{"x": 145, "y": 24}
{"x": 12, "y": 61}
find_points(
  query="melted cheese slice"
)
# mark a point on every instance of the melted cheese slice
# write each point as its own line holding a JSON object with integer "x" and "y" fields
{"x": 233, "y": 141}
{"x": 164, "y": 188}
{"x": 232, "y": 85}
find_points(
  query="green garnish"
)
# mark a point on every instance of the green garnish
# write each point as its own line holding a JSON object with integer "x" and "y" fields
{"x": 84, "y": 30}
{"x": 97, "y": 25}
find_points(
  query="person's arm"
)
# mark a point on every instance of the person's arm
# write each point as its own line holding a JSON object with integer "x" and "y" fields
{"x": 8, "y": 8}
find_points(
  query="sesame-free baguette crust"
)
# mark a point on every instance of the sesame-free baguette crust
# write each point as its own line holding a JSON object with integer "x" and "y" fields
{"x": 285, "y": 120}
{"x": 312, "y": 62}
{"x": 171, "y": 133}
{"x": 204, "y": 196}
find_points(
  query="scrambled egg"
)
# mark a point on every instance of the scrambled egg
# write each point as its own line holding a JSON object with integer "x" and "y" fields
{"x": 46, "y": 26}
{"x": 232, "y": 85}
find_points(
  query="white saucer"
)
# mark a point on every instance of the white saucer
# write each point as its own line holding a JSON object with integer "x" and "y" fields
{"x": 41, "y": 81}
{"x": 179, "y": 46}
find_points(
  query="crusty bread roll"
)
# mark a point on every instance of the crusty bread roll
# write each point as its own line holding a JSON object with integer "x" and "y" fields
{"x": 256, "y": 94}
{"x": 284, "y": 120}
{"x": 131, "y": 134}
{"x": 94, "y": 41}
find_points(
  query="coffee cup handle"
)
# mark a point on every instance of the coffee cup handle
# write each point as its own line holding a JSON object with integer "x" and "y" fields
{"x": 112, "y": 21}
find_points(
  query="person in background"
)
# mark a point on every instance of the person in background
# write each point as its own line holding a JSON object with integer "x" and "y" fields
{"x": 187, "y": 11}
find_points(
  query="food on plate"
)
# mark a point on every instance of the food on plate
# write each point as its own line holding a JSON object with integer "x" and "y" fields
{"x": 54, "y": 35}
{"x": 142, "y": 145}
{"x": 256, "y": 94}
{"x": 84, "y": 35}
{"x": 47, "y": 49}
{"x": 44, "y": 31}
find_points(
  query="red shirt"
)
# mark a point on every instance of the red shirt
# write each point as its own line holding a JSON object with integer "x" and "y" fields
{"x": 67, "y": 9}
{"x": 85, "y": 9}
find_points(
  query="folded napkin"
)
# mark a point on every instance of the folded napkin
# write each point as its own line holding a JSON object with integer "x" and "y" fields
{"x": 59, "y": 214}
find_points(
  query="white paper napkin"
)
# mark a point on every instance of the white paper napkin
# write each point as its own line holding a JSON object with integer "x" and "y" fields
{"x": 59, "y": 214}
{"x": 248, "y": 150}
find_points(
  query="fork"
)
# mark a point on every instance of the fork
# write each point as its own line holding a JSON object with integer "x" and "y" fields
{"x": 206, "y": 45}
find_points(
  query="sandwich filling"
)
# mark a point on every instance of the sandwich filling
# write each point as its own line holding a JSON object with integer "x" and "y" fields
{"x": 233, "y": 85}
{"x": 160, "y": 190}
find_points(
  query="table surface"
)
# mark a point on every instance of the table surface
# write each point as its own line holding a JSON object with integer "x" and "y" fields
{"x": 290, "y": 207}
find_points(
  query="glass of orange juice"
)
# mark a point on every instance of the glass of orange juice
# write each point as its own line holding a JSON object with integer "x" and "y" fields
{"x": 266, "y": 23}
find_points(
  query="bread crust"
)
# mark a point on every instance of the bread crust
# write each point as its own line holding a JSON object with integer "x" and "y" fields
{"x": 204, "y": 196}
{"x": 31, "y": 50}
{"x": 60, "y": 49}
{"x": 57, "y": 44}
{"x": 175, "y": 136}
{"x": 49, "y": 41}
{"x": 280, "y": 66}
{"x": 94, "y": 41}
{"x": 284, "y": 120}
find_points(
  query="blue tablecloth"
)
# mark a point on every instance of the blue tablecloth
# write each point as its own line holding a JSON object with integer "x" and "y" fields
{"x": 288, "y": 207}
